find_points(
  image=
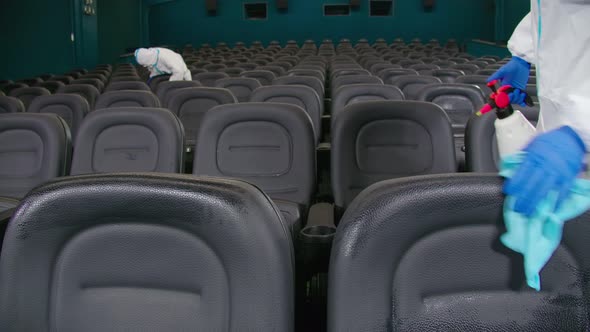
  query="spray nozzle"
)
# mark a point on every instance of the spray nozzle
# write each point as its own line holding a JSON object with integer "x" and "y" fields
{"x": 500, "y": 101}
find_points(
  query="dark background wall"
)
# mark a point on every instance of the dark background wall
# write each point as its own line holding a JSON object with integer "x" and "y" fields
{"x": 119, "y": 27}
{"x": 184, "y": 21}
{"x": 35, "y": 37}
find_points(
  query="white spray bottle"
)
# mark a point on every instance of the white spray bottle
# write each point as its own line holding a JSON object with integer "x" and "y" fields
{"x": 513, "y": 130}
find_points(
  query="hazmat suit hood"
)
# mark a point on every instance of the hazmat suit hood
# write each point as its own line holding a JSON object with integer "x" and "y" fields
{"x": 146, "y": 57}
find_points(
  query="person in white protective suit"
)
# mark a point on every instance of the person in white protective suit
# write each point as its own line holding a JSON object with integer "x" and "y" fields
{"x": 554, "y": 36}
{"x": 162, "y": 61}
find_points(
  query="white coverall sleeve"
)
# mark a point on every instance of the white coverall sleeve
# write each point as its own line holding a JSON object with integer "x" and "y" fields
{"x": 522, "y": 44}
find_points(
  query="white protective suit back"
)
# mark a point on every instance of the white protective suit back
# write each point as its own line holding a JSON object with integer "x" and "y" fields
{"x": 162, "y": 61}
{"x": 555, "y": 37}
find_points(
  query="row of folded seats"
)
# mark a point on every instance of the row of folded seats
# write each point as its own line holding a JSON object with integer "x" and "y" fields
{"x": 175, "y": 253}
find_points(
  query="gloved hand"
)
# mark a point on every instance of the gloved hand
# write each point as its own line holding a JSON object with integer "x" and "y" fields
{"x": 516, "y": 74}
{"x": 553, "y": 161}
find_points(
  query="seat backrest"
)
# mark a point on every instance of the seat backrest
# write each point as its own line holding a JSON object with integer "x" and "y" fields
{"x": 265, "y": 77}
{"x": 460, "y": 101}
{"x": 354, "y": 79}
{"x": 241, "y": 87}
{"x": 481, "y": 145}
{"x": 468, "y": 69}
{"x": 7, "y": 88}
{"x": 95, "y": 82}
{"x": 129, "y": 139}
{"x": 27, "y": 95}
{"x": 71, "y": 108}
{"x": 190, "y": 104}
{"x": 268, "y": 144}
{"x": 11, "y": 105}
{"x": 378, "y": 67}
{"x": 307, "y": 72}
{"x": 34, "y": 148}
{"x": 101, "y": 77}
{"x": 89, "y": 92}
{"x": 379, "y": 140}
{"x": 214, "y": 67}
{"x": 209, "y": 79}
{"x": 127, "y": 98}
{"x": 479, "y": 80}
{"x": 446, "y": 270}
{"x": 148, "y": 251}
{"x": 310, "y": 81}
{"x": 155, "y": 81}
{"x": 300, "y": 95}
{"x": 247, "y": 65}
{"x": 165, "y": 89}
{"x": 412, "y": 85}
{"x": 423, "y": 68}
{"x": 277, "y": 70}
{"x": 232, "y": 71}
{"x": 447, "y": 75}
{"x": 388, "y": 74}
{"x": 65, "y": 79}
{"x": 52, "y": 86}
{"x": 349, "y": 72}
{"x": 118, "y": 86}
{"x": 356, "y": 93}
{"x": 444, "y": 63}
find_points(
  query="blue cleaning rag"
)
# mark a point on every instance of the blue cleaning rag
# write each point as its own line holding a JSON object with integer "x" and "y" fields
{"x": 537, "y": 237}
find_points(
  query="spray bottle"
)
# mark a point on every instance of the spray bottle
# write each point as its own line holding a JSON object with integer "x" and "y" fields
{"x": 513, "y": 130}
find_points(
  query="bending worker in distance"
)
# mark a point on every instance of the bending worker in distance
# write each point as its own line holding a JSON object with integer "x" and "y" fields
{"x": 162, "y": 61}
{"x": 555, "y": 37}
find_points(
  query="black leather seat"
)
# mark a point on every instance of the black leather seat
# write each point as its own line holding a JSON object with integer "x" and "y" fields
{"x": 118, "y": 86}
{"x": 241, "y": 87}
{"x": 320, "y": 75}
{"x": 27, "y": 95}
{"x": 379, "y": 140}
{"x": 65, "y": 79}
{"x": 468, "y": 69}
{"x": 265, "y": 77}
{"x": 52, "y": 86}
{"x": 422, "y": 254}
{"x": 34, "y": 148}
{"x": 481, "y": 154}
{"x": 156, "y": 80}
{"x": 233, "y": 71}
{"x": 412, "y": 85}
{"x": 129, "y": 139}
{"x": 355, "y": 93}
{"x": 127, "y": 98}
{"x": 302, "y": 96}
{"x": 268, "y": 144}
{"x": 209, "y": 79}
{"x": 354, "y": 79}
{"x": 447, "y": 75}
{"x": 310, "y": 81}
{"x": 165, "y": 89}
{"x": 190, "y": 104}
{"x": 478, "y": 80}
{"x": 71, "y": 108}
{"x": 424, "y": 68}
{"x": 389, "y": 74}
{"x": 95, "y": 82}
{"x": 277, "y": 70}
{"x": 89, "y": 92}
{"x": 11, "y": 105}
{"x": 460, "y": 102}
{"x": 146, "y": 252}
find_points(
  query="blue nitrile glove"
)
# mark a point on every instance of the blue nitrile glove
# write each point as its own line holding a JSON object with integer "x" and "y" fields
{"x": 552, "y": 163}
{"x": 516, "y": 74}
